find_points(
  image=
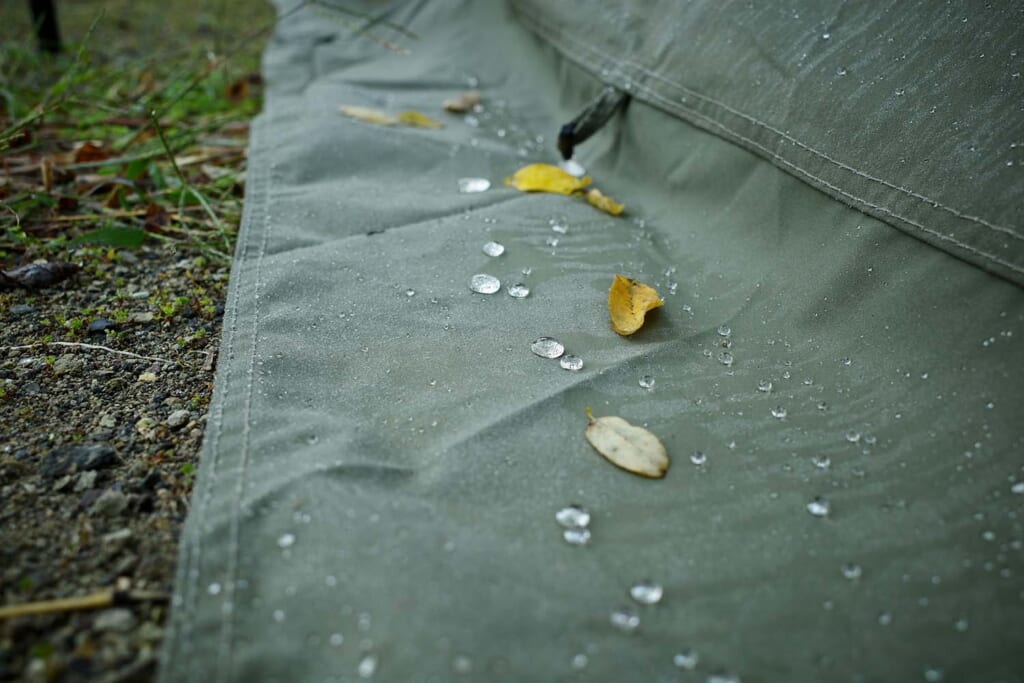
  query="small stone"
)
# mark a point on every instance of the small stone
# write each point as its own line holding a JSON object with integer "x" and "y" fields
{"x": 62, "y": 483}
{"x": 145, "y": 425}
{"x": 117, "y": 620}
{"x": 110, "y": 504}
{"x": 118, "y": 537}
{"x": 99, "y": 325}
{"x": 177, "y": 419}
{"x": 67, "y": 459}
{"x": 141, "y": 317}
{"x": 107, "y": 421}
{"x": 67, "y": 364}
{"x": 140, "y": 295}
{"x": 147, "y": 377}
{"x": 85, "y": 481}
{"x": 21, "y": 309}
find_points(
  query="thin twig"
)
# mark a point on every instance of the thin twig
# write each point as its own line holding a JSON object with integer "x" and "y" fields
{"x": 98, "y": 600}
{"x": 83, "y": 345}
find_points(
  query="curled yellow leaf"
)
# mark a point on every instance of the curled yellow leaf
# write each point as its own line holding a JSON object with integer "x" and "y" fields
{"x": 627, "y": 446}
{"x": 368, "y": 115}
{"x": 628, "y": 303}
{"x": 602, "y": 201}
{"x": 546, "y": 178}
{"x": 418, "y": 120}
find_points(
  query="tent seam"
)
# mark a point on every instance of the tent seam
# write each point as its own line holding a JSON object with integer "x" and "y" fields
{"x": 556, "y": 37}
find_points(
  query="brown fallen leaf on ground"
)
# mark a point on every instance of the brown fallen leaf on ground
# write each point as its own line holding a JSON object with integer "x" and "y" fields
{"x": 546, "y": 178}
{"x": 628, "y": 303}
{"x": 627, "y": 446}
{"x": 462, "y": 103}
{"x": 602, "y": 201}
{"x": 36, "y": 275}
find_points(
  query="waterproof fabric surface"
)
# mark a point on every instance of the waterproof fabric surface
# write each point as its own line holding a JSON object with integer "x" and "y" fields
{"x": 385, "y": 456}
{"x": 910, "y": 111}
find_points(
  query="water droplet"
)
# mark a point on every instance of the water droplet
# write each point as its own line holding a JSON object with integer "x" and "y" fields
{"x": 336, "y": 639}
{"x": 482, "y": 283}
{"x": 519, "y": 291}
{"x": 934, "y": 674}
{"x": 573, "y": 168}
{"x": 725, "y": 358}
{"x": 546, "y": 347}
{"x": 625, "y": 619}
{"x": 559, "y": 228}
{"x": 686, "y": 659}
{"x": 286, "y": 540}
{"x": 786, "y": 375}
{"x": 870, "y": 439}
{"x": 851, "y": 571}
{"x": 884, "y": 619}
{"x": 764, "y": 385}
{"x": 367, "y": 666}
{"x": 647, "y": 382}
{"x": 551, "y": 241}
{"x": 410, "y": 292}
{"x": 494, "y": 249}
{"x": 853, "y": 436}
{"x": 779, "y": 412}
{"x": 698, "y": 458}
{"x": 213, "y": 588}
{"x": 462, "y": 664}
{"x": 723, "y": 678}
{"x": 822, "y": 462}
{"x": 647, "y": 592}
{"x": 571, "y": 362}
{"x": 819, "y": 507}
{"x": 841, "y": 71}
{"x": 1017, "y": 488}
{"x": 579, "y": 662}
{"x": 847, "y": 361}
{"x": 526, "y": 271}
{"x": 573, "y": 517}
{"x": 279, "y": 615}
{"x": 474, "y": 185}
{"x": 961, "y": 625}
{"x": 577, "y": 536}
{"x": 724, "y": 330}
{"x": 823, "y": 406}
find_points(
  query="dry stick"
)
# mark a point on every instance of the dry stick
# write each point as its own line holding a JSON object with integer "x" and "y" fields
{"x": 98, "y": 600}
{"x": 83, "y": 345}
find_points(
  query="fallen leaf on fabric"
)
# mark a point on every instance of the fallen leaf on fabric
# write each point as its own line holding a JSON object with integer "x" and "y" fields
{"x": 628, "y": 303}
{"x": 462, "y": 103}
{"x": 418, "y": 120}
{"x": 627, "y": 446}
{"x": 368, "y": 115}
{"x": 602, "y": 201}
{"x": 546, "y": 178}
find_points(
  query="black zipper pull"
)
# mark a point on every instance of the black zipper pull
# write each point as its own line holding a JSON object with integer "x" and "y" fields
{"x": 590, "y": 120}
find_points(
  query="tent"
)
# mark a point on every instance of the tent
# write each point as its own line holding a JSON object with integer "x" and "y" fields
{"x": 828, "y": 196}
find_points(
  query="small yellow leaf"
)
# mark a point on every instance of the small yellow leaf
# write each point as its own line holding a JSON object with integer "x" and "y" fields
{"x": 627, "y": 446}
{"x": 462, "y": 103}
{"x": 628, "y": 303}
{"x": 602, "y": 201}
{"x": 546, "y": 178}
{"x": 368, "y": 115}
{"x": 418, "y": 120}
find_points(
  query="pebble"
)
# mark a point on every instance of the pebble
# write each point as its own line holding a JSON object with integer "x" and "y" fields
{"x": 66, "y": 459}
{"x": 177, "y": 419}
{"x": 67, "y": 364}
{"x": 21, "y": 309}
{"x": 119, "y": 537}
{"x": 110, "y": 504}
{"x": 118, "y": 619}
{"x": 99, "y": 325}
{"x": 85, "y": 480}
{"x": 147, "y": 377}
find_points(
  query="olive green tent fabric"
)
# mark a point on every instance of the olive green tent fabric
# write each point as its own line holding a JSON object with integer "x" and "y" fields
{"x": 385, "y": 456}
{"x": 910, "y": 111}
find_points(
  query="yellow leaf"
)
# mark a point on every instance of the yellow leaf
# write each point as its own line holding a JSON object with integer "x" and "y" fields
{"x": 546, "y": 178}
{"x": 627, "y": 446}
{"x": 368, "y": 115}
{"x": 418, "y": 120}
{"x": 628, "y": 303}
{"x": 602, "y": 201}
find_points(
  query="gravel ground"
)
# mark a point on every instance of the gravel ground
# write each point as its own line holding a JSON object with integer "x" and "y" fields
{"x": 98, "y": 451}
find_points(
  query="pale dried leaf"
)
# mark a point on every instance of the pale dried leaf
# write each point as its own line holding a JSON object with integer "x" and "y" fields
{"x": 368, "y": 115}
{"x": 598, "y": 199}
{"x": 627, "y": 446}
{"x": 546, "y": 178}
{"x": 628, "y": 303}
{"x": 462, "y": 103}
